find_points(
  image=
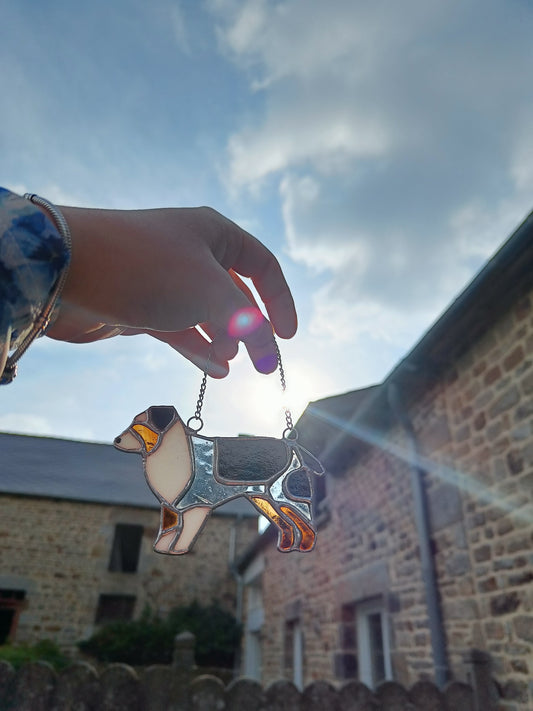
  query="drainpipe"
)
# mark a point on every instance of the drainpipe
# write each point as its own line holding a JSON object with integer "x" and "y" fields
{"x": 436, "y": 627}
{"x": 233, "y": 568}
{"x": 239, "y": 582}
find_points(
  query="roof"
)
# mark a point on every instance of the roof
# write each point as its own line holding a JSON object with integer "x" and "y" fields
{"x": 321, "y": 422}
{"x": 81, "y": 471}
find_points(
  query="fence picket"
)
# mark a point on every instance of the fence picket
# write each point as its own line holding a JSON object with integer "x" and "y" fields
{"x": 77, "y": 687}
{"x": 33, "y": 686}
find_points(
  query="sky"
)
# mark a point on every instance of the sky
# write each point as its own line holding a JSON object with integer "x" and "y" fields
{"x": 382, "y": 150}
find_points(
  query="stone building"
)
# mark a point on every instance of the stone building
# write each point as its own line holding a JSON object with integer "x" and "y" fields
{"x": 425, "y": 543}
{"x": 77, "y": 525}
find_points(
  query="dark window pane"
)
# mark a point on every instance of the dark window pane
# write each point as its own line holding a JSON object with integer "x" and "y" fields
{"x": 289, "y": 647}
{"x": 115, "y": 607}
{"x": 6, "y": 620}
{"x": 348, "y": 637}
{"x": 345, "y": 666}
{"x": 375, "y": 632}
{"x": 12, "y": 595}
{"x": 126, "y": 548}
{"x": 10, "y": 605}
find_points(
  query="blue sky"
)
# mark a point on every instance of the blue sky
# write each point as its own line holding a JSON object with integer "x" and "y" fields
{"x": 382, "y": 150}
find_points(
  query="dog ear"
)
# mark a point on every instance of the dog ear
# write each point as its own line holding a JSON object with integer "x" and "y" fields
{"x": 161, "y": 416}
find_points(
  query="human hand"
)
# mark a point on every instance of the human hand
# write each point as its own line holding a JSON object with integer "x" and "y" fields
{"x": 165, "y": 272}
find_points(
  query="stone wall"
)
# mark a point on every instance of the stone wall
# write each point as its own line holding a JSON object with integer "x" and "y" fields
{"x": 58, "y": 552}
{"x": 484, "y": 544}
{"x": 474, "y": 429}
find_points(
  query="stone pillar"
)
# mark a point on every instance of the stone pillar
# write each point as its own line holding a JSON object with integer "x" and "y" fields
{"x": 183, "y": 657}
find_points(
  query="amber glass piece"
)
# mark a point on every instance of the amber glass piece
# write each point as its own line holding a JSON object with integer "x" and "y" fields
{"x": 149, "y": 437}
{"x": 287, "y": 535}
{"x": 307, "y": 533}
{"x": 169, "y": 518}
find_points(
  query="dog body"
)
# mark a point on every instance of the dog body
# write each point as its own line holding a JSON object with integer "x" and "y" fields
{"x": 191, "y": 475}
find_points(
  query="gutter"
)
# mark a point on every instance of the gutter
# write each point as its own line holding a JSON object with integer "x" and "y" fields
{"x": 234, "y": 570}
{"x": 429, "y": 576}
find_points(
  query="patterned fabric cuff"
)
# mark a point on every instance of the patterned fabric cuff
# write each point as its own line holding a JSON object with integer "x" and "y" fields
{"x": 32, "y": 257}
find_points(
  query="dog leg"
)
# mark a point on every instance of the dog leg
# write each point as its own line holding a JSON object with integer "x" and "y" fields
{"x": 307, "y": 534}
{"x": 285, "y": 530}
{"x": 193, "y": 520}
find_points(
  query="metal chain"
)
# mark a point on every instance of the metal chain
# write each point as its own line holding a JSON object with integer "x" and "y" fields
{"x": 201, "y": 396}
{"x": 288, "y": 432}
{"x": 289, "y": 429}
{"x": 200, "y": 402}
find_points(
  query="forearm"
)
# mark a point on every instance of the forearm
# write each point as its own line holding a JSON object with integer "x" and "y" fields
{"x": 134, "y": 268}
{"x": 162, "y": 272}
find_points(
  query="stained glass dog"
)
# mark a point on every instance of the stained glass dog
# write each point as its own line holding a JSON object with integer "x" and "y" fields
{"x": 191, "y": 475}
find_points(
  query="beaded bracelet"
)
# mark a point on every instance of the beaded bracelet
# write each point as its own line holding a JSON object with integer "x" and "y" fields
{"x": 42, "y": 321}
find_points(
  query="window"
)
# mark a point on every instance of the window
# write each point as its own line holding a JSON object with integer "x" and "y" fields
{"x": 11, "y": 602}
{"x": 346, "y": 666}
{"x": 373, "y": 643}
{"x": 364, "y": 642}
{"x": 254, "y": 618}
{"x": 254, "y": 623}
{"x": 126, "y": 548}
{"x": 114, "y": 607}
{"x": 294, "y": 652}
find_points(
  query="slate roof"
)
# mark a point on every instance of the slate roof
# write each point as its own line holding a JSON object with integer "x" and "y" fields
{"x": 81, "y": 471}
{"x": 322, "y": 422}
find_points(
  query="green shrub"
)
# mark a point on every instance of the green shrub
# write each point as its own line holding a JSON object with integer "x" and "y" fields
{"x": 150, "y": 639}
{"x": 43, "y": 651}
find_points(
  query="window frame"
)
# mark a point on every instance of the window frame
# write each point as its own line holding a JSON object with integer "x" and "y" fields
{"x": 366, "y": 657}
{"x": 253, "y": 652}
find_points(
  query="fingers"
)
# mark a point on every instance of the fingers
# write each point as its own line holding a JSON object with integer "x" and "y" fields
{"x": 223, "y": 346}
{"x": 206, "y": 355}
{"x": 254, "y": 260}
{"x": 232, "y": 313}
{"x": 264, "y": 354}
{"x": 243, "y": 287}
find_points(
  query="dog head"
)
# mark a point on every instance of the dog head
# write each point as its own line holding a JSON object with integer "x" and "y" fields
{"x": 147, "y": 429}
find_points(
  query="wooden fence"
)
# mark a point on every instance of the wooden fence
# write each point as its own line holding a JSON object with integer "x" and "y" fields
{"x": 36, "y": 687}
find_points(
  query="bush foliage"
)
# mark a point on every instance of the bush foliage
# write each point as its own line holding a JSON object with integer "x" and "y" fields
{"x": 43, "y": 651}
{"x": 150, "y": 639}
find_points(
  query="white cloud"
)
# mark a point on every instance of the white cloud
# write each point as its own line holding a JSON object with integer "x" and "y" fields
{"x": 399, "y": 134}
{"x": 324, "y": 245}
{"x": 25, "y": 424}
{"x": 178, "y": 26}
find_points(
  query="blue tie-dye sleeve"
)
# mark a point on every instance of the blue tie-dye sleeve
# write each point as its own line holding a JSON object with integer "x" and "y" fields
{"x": 32, "y": 257}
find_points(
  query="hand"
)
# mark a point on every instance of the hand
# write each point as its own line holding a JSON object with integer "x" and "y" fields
{"x": 164, "y": 272}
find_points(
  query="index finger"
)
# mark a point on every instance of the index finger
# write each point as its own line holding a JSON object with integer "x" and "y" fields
{"x": 254, "y": 260}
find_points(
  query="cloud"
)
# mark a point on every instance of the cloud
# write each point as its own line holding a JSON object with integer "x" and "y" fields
{"x": 25, "y": 424}
{"x": 179, "y": 27}
{"x": 398, "y": 134}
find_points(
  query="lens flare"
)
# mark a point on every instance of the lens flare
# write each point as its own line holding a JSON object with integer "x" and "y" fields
{"x": 244, "y": 322}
